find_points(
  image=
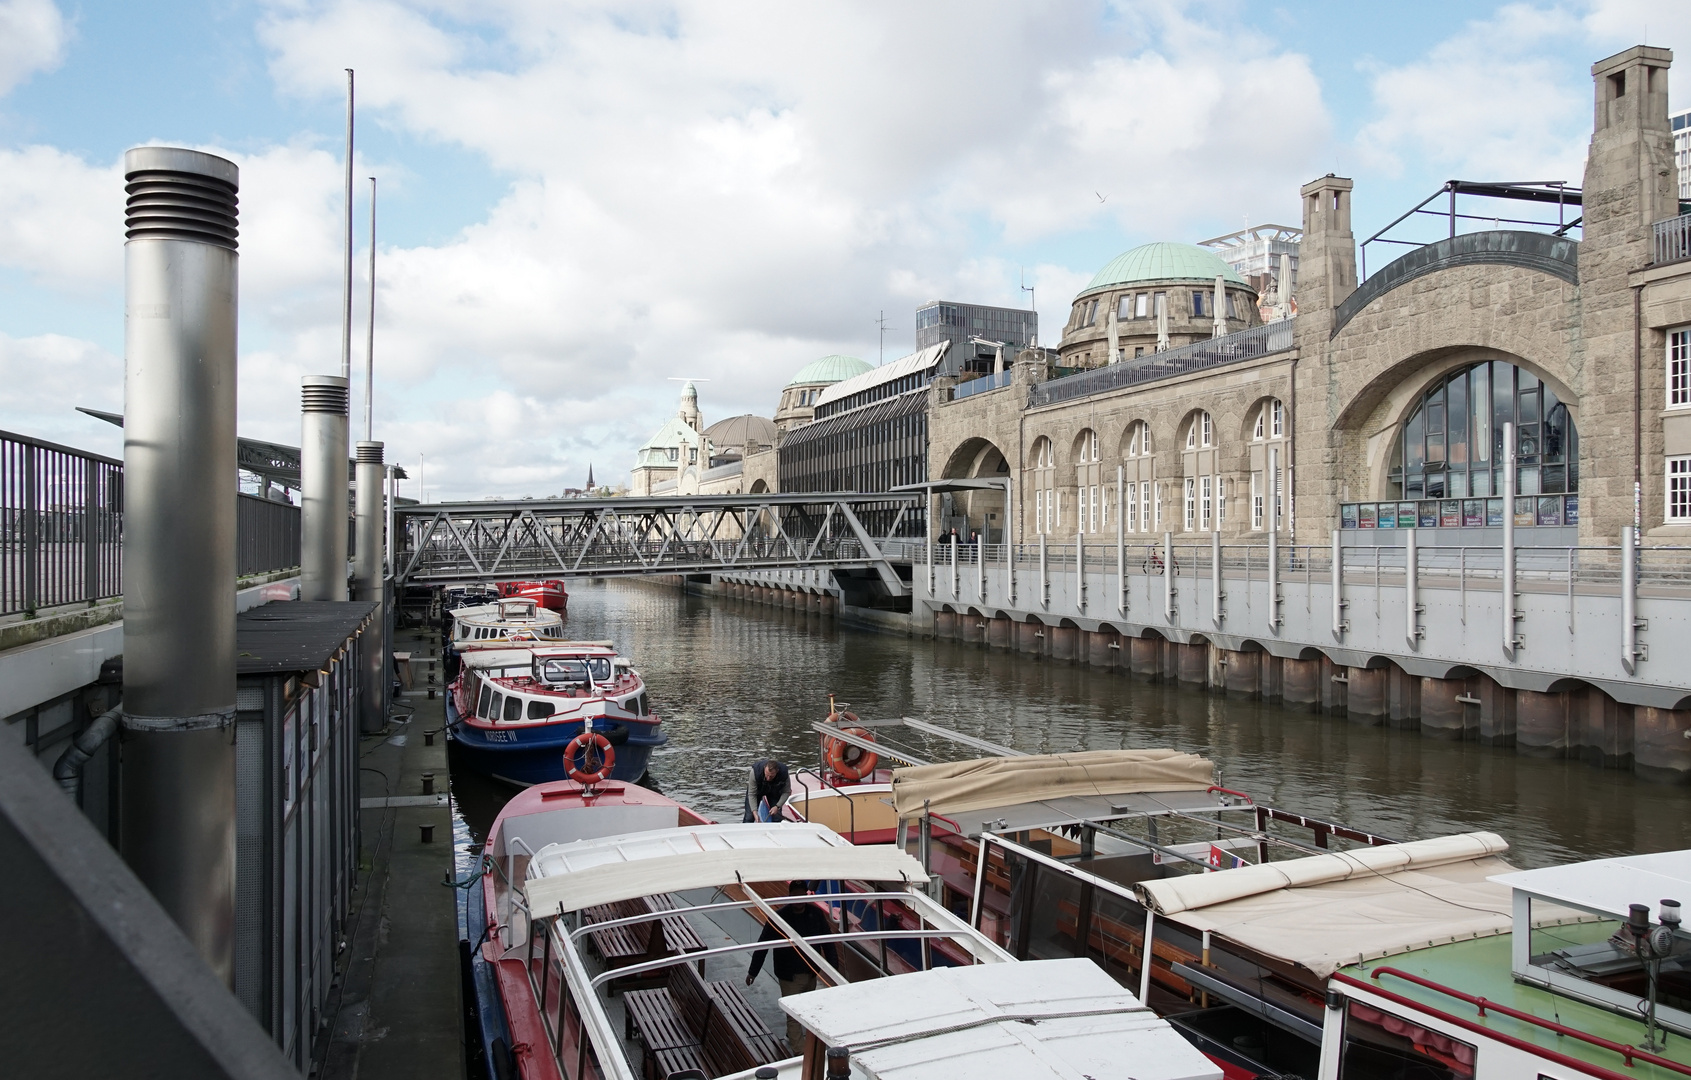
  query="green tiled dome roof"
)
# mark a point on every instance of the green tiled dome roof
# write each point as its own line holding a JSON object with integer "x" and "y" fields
{"x": 829, "y": 369}
{"x": 1163, "y": 262}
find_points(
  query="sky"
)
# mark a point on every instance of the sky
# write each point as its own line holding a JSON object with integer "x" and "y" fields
{"x": 580, "y": 203}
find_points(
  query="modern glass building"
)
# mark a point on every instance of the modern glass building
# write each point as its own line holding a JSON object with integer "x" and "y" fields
{"x": 945, "y": 321}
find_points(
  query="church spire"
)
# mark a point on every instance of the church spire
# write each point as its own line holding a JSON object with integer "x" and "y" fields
{"x": 590, "y": 477}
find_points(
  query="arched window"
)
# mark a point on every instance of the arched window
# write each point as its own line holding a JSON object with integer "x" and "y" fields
{"x": 1047, "y": 501}
{"x": 1201, "y": 433}
{"x": 1451, "y": 447}
{"x": 1270, "y": 421}
{"x": 1139, "y": 440}
{"x": 1086, "y": 448}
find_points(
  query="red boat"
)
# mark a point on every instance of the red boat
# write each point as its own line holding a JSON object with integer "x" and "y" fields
{"x": 548, "y": 594}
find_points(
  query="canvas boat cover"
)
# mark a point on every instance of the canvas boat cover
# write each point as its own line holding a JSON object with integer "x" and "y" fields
{"x": 572, "y": 876}
{"x": 1031, "y": 1020}
{"x": 984, "y": 783}
{"x": 1326, "y": 912}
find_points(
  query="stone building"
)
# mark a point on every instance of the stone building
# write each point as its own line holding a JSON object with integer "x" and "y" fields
{"x": 1152, "y": 298}
{"x": 1383, "y": 402}
{"x": 798, "y": 397}
{"x": 676, "y": 448}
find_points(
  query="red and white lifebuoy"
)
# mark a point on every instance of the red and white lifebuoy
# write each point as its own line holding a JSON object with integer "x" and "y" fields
{"x": 844, "y": 759}
{"x": 591, "y": 746}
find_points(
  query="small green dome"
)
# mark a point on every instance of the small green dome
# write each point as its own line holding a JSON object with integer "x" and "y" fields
{"x": 1163, "y": 262}
{"x": 828, "y": 370}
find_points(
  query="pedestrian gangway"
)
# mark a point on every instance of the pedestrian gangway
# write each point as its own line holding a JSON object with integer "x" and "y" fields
{"x": 697, "y": 534}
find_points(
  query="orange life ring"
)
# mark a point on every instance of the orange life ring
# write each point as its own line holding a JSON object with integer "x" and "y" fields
{"x": 851, "y": 762}
{"x": 586, "y": 744}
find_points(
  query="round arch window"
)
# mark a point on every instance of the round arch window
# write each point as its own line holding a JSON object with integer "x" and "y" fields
{"x": 1451, "y": 446}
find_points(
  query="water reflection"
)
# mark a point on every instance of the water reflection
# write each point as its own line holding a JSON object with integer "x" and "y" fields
{"x": 736, "y": 681}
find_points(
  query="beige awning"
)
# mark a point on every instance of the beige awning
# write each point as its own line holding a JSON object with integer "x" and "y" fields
{"x": 569, "y": 877}
{"x": 961, "y": 786}
{"x": 1326, "y": 912}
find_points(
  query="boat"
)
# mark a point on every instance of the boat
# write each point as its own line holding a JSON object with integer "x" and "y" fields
{"x": 619, "y": 925}
{"x": 507, "y": 619}
{"x": 549, "y": 594}
{"x": 518, "y": 712}
{"x": 1284, "y": 945}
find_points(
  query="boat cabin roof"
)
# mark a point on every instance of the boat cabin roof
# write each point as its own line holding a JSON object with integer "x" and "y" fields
{"x": 1324, "y": 912}
{"x": 527, "y": 656}
{"x": 1044, "y": 791}
{"x": 1608, "y": 886}
{"x": 571, "y": 876}
{"x": 1035, "y": 1019}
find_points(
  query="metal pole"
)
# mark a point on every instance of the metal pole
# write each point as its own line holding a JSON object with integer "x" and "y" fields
{"x": 1509, "y": 483}
{"x": 1168, "y": 576}
{"x": 1145, "y": 955}
{"x": 1121, "y": 542}
{"x": 953, "y": 547}
{"x": 1215, "y": 578}
{"x": 1044, "y": 576}
{"x": 1411, "y": 589}
{"x": 1009, "y": 551}
{"x": 1274, "y": 539}
{"x": 370, "y": 339}
{"x": 1339, "y": 626}
{"x": 181, "y": 483}
{"x": 1629, "y": 598}
{"x": 346, "y": 277}
{"x": 1080, "y": 571}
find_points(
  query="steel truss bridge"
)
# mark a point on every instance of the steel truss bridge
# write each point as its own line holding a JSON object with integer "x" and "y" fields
{"x": 701, "y": 534}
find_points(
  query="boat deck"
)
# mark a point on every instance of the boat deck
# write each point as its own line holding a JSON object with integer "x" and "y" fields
{"x": 1480, "y": 968}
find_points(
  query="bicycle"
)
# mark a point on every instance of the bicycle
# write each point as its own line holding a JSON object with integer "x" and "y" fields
{"x": 1153, "y": 563}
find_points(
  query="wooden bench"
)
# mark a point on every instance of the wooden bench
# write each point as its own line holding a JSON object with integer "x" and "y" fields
{"x": 634, "y": 943}
{"x": 671, "y": 1046}
{"x": 692, "y": 1023}
{"x": 677, "y": 931}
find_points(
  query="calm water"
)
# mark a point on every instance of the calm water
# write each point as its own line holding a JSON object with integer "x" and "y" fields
{"x": 736, "y": 681}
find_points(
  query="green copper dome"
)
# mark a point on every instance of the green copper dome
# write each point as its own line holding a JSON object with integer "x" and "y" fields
{"x": 829, "y": 369}
{"x": 1163, "y": 262}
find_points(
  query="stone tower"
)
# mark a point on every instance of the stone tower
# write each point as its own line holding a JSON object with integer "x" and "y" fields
{"x": 1629, "y": 185}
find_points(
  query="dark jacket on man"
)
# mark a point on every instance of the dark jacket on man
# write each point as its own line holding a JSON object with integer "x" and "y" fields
{"x": 776, "y": 790}
{"x": 808, "y": 920}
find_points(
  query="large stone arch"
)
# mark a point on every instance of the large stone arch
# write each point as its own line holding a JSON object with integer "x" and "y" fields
{"x": 1377, "y": 413}
{"x": 979, "y": 511}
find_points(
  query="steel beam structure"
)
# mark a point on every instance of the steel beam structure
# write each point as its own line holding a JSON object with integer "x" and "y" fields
{"x": 530, "y": 538}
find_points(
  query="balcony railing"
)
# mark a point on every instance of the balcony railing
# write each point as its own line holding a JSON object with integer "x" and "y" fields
{"x": 1673, "y": 239}
{"x": 981, "y": 385}
{"x": 1199, "y": 356}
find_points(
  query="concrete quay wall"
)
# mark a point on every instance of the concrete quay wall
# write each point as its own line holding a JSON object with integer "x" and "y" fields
{"x": 1563, "y": 693}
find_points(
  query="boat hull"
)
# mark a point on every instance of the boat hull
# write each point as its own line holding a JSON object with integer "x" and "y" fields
{"x": 534, "y": 754}
{"x": 548, "y": 594}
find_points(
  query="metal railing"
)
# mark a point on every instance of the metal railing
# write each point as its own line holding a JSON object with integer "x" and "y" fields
{"x": 1230, "y": 348}
{"x": 1673, "y": 239}
{"x": 61, "y": 527}
{"x": 981, "y": 385}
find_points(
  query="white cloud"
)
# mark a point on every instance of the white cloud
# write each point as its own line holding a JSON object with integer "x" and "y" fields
{"x": 32, "y": 39}
{"x": 1492, "y": 102}
{"x": 729, "y": 190}
{"x": 46, "y": 376}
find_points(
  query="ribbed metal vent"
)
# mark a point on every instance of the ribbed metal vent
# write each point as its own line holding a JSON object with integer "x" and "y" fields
{"x": 173, "y": 205}
{"x": 369, "y": 453}
{"x": 324, "y": 398}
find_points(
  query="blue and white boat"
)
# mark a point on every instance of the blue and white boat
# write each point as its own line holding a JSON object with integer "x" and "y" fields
{"x": 513, "y": 710}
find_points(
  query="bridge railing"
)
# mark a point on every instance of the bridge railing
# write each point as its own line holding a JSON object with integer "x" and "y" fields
{"x": 61, "y": 527}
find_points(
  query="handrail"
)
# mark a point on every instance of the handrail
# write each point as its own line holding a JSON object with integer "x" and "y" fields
{"x": 1626, "y": 1052}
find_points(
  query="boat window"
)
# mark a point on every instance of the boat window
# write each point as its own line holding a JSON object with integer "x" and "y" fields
{"x": 486, "y": 695}
{"x": 513, "y": 708}
{"x": 1381, "y": 1046}
{"x": 575, "y": 669}
{"x": 493, "y": 709}
{"x": 539, "y": 710}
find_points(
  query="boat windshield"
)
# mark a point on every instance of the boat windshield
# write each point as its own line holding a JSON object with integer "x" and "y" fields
{"x": 575, "y": 669}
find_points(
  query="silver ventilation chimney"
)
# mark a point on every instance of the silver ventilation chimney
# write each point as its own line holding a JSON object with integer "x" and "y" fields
{"x": 322, "y": 474}
{"x": 367, "y": 575}
{"x": 181, "y": 481}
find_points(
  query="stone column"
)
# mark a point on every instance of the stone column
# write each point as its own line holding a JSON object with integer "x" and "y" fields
{"x": 1241, "y": 675}
{"x": 1442, "y": 716}
{"x": 1298, "y": 685}
{"x": 1030, "y": 638}
{"x": 1497, "y": 713}
{"x": 1335, "y": 695}
{"x": 1541, "y": 724}
{"x": 1403, "y": 699}
{"x": 1063, "y": 642}
{"x": 1366, "y": 702}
